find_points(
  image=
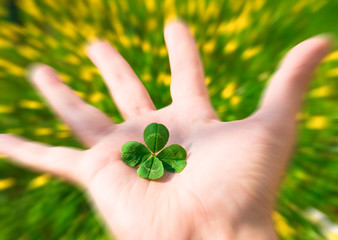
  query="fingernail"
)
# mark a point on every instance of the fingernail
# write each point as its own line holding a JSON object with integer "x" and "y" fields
{"x": 331, "y": 37}
{"x": 173, "y": 19}
{"x": 91, "y": 42}
{"x": 32, "y": 69}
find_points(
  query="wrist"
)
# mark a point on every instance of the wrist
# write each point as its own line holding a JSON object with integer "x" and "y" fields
{"x": 243, "y": 229}
{"x": 259, "y": 230}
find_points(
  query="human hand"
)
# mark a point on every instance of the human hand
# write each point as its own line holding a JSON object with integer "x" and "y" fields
{"x": 233, "y": 170}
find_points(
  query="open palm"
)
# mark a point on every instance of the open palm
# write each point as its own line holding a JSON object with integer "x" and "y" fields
{"x": 233, "y": 169}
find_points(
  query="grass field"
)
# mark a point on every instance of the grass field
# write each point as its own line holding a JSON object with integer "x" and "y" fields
{"x": 241, "y": 43}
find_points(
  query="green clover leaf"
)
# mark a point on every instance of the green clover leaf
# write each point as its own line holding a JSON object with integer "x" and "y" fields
{"x": 171, "y": 158}
{"x": 156, "y": 136}
{"x": 134, "y": 153}
{"x": 152, "y": 169}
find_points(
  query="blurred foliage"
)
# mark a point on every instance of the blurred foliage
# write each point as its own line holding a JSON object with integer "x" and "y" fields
{"x": 241, "y": 43}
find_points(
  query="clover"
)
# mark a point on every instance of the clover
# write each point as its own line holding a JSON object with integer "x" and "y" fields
{"x": 171, "y": 158}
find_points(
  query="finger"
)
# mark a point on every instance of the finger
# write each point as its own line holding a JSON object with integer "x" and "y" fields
{"x": 60, "y": 161}
{"x": 128, "y": 92}
{"x": 87, "y": 122}
{"x": 283, "y": 96}
{"x": 187, "y": 81}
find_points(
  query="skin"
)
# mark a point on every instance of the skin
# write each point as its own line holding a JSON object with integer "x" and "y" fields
{"x": 228, "y": 187}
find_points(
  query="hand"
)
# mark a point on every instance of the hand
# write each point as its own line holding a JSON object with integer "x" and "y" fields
{"x": 233, "y": 170}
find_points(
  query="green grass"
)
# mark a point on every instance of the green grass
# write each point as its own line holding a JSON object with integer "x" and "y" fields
{"x": 241, "y": 43}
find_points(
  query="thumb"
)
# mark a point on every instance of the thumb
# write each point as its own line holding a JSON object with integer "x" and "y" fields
{"x": 283, "y": 96}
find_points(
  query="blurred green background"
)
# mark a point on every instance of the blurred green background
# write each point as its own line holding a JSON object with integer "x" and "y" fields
{"x": 241, "y": 43}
